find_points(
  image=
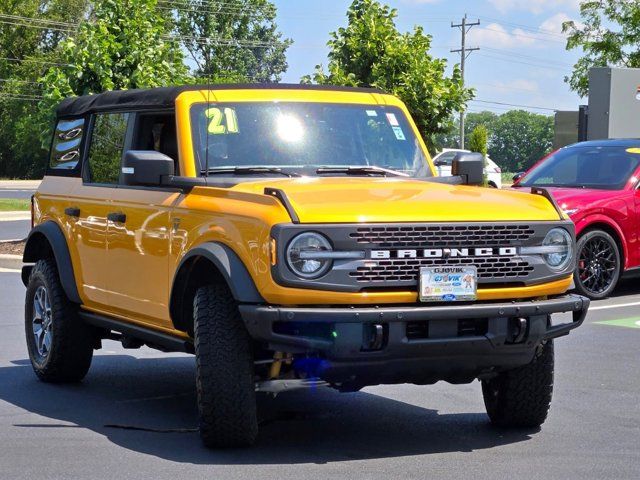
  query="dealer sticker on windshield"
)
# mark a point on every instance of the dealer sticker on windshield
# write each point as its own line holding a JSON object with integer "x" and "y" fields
{"x": 448, "y": 284}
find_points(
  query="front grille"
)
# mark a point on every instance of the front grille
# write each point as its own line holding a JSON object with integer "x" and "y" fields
{"x": 448, "y": 236}
{"x": 407, "y": 270}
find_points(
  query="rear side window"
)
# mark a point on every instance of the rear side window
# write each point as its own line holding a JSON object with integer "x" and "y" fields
{"x": 65, "y": 149}
{"x": 107, "y": 142}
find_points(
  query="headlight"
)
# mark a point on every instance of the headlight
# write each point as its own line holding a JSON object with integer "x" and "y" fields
{"x": 305, "y": 255}
{"x": 559, "y": 247}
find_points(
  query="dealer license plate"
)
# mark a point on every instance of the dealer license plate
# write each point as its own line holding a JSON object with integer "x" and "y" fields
{"x": 448, "y": 284}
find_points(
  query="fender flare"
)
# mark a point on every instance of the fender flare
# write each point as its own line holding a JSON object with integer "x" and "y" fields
{"x": 594, "y": 220}
{"x": 230, "y": 268}
{"x": 53, "y": 234}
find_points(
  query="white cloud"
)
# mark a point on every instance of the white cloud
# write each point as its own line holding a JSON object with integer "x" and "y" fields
{"x": 534, "y": 6}
{"x": 554, "y": 24}
{"x": 495, "y": 35}
{"x": 519, "y": 85}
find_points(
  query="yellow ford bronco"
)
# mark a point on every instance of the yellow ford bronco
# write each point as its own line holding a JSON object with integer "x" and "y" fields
{"x": 290, "y": 236}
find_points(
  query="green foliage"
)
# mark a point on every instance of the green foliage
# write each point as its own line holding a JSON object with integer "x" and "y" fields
{"x": 479, "y": 139}
{"x": 21, "y": 155}
{"x": 244, "y": 42}
{"x": 516, "y": 139}
{"x": 609, "y": 35}
{"x": 107, "y": 141}
{"x": 122, "y": 47}
{"x": 519, "y": 139}
{"x": 371, "y": 52}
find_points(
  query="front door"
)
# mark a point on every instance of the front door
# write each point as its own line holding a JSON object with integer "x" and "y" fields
{"x": 139, "y": 229}
{"x": 138, "y": 254}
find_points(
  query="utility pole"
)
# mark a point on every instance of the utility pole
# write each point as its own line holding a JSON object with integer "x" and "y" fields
{"x": 464, "y": 54}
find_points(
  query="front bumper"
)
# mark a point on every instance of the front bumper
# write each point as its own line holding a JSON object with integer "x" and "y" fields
{"x": 419, "y": 344}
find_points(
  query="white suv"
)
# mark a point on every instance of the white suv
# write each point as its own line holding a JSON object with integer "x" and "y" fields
{"x": 443, "y": 160}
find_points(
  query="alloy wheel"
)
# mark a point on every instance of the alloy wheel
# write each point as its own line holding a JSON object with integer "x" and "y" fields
{"x": 41, "y": 321}
{"x": 597, "y": 265}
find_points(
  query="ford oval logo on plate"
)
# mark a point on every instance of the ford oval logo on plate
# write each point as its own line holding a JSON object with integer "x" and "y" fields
{"x": 449, "y": 298}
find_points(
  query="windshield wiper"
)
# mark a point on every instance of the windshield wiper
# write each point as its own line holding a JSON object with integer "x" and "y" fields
{"x": 364, "y": 170}
{"x": 251, "y": 171}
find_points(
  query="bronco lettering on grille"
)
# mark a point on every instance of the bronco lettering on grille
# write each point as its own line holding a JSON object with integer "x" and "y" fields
{"x": 444, "y": 253}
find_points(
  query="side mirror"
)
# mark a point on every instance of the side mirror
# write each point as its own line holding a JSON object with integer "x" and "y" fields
{"x": 517, "y": 177}
{"x": 469, "y": 166}
{"x": 146, "y": 167}
{"x": 439, "y": 163}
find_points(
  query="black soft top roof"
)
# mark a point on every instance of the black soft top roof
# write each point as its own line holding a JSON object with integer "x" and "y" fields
{"x": 162, "y": 98}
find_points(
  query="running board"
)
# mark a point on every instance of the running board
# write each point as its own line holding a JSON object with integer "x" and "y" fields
{"x": 278, "y": 386}
{"x": 153, "y": 338}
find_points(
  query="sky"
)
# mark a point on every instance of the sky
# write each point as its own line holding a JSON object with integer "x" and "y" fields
{"x": 522, "y": 58}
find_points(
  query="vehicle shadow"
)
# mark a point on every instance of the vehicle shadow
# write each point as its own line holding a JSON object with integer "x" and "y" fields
{"x": 627, "y": 286}
{"x": 312, "y": 426}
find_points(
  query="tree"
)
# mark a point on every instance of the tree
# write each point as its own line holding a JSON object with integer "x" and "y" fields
{"x": 371, "y": 52}
{"x": 519, "y": 139}
{"x": 478, "y": 140}
{"x": 609, "y": 35}
{"x": 29, "y": 37}
{"x": 125, "y": 46}
{"x": 477, "y": 119}
{"x": 233, "y": 41}
{"x": 121, "y": 46}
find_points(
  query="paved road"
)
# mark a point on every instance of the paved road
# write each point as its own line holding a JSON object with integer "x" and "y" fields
{"x": 14, "y": 230}
{"x": 56, "y": 431}
{"x": 17, "y": 188}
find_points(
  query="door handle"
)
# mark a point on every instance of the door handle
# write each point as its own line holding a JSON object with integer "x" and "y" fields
{"x": 72, "y": 212}
{"x": 117, "y": 217}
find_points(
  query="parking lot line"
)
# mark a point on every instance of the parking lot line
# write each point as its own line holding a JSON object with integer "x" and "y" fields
{"x": 618, "y": 305}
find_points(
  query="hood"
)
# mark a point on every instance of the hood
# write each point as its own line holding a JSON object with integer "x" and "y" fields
{"x": 366, "y": 199}
{"x": 571, "y": 198}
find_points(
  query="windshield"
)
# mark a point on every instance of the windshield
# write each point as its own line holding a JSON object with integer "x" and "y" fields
{"x": 305, "y": 139}
{"x": 607, "y": 168}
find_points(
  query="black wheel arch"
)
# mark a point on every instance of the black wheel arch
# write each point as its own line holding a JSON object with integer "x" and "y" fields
{"x": 47, "y": 240}
{"x": 209, "y": 262}
{"x": 613, "y": 233}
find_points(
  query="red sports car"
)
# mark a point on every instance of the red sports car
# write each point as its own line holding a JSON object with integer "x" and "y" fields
{"x": 597, "y": 184}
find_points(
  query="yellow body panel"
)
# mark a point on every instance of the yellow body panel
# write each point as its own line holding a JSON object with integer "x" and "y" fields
{"x": 127, "y": 270}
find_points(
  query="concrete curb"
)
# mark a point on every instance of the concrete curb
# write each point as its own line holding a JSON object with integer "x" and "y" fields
{"x": 15, "y": 216}
{"x": 11, "y": 262}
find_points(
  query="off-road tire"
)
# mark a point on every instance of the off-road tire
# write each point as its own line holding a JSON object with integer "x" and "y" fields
{"x": 224, "y": 370}
{"x": 615, "y": 257}
{"x": 521, "y": 397}
{"x": 71, "y": 349}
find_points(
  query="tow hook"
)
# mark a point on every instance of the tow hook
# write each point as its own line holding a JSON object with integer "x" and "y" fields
{"x": 518, "y": 329}
{"x": 373, "y": 336}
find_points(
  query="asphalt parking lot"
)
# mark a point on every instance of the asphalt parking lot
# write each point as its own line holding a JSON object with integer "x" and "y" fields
{"x": 18, "y": 189}
{"x": 61, "y": 431}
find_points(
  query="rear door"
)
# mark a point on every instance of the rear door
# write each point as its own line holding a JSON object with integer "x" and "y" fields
{"x": 89, "y": 205}
{"x": 139, "y": 231}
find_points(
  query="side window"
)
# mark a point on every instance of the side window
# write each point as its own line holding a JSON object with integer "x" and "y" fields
{"x": 67, "y": 139}
{"x": 447, "y": 158}
{"x": 157, "y": 131}
{"x": 107, "y": 143}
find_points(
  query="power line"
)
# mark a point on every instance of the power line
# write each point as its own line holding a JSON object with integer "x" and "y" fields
{"x": 523, "y": 26}
{"x": 518, "y": 34}
{"x": 491, "y": 102}
{"x": 464, "y": 54}
{"x": 35, "y": 61}
{"x": 507, "y": 87}
{"x": 509, "y": 60}
{"x": 511, "y": 53}
{"x": 37, "y": 20}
